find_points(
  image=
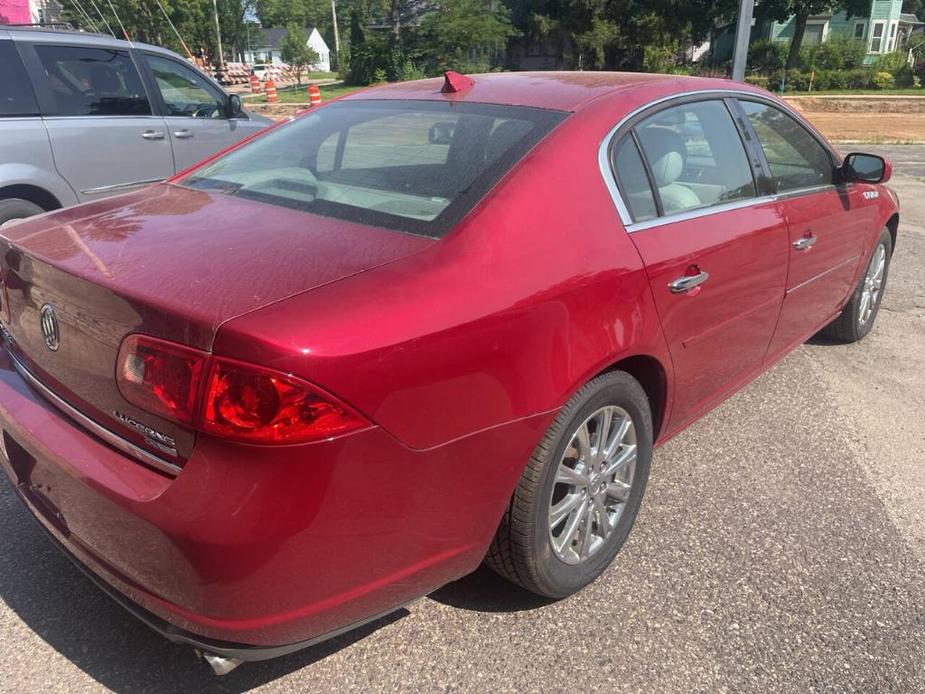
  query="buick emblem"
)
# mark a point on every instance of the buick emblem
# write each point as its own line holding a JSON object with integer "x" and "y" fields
{"x": 50, "y": 327}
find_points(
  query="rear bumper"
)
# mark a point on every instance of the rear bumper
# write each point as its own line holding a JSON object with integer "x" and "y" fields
{"x": 253, "y": 552}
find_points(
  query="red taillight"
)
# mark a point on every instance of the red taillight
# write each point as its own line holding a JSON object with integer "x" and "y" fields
{"x": 237, "y": 401}
{"x": 161, "y": 377}
{"x": 248, "y": 403}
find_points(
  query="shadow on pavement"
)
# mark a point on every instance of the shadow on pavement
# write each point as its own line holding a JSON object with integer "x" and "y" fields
{"x": 486, "y": 591}
{"x": 63, "y": 607}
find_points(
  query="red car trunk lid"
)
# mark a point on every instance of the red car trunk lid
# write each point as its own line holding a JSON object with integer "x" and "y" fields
{"x": 168, "y": 262}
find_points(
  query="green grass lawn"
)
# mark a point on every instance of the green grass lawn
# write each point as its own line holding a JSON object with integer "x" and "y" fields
{"x": 908, "y": 91}
{"x": 299, "y": 95}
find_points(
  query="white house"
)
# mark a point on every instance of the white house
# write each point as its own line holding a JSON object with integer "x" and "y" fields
{"x": 266, "y": 46}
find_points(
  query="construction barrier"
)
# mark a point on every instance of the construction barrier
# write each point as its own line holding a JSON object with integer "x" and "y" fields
{"x": 270, "y": 87}
{"x": 314, "y": 95}
{"x": 255, "y": 84}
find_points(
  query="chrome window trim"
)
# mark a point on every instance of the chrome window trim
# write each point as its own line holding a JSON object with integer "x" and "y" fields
{"x": 109, "y": 437}
{"x": 610, "y": 181}
{"x": 121, "y": 186}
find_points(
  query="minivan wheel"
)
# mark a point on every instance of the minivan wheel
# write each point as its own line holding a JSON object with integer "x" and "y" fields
{"x": 17, "y": 208}
{"x": 579, "y": 495}
{"x": 857, "y": 318}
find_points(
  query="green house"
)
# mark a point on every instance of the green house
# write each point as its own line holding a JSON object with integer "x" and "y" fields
{"x": 884, "y": 30}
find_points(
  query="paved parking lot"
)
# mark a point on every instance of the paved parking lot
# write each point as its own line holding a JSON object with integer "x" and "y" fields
{"x": 781, "y": 546}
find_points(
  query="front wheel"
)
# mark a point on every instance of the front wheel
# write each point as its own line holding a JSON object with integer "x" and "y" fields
{"x": 580, "y": 492}
{"x": 857, "y": 318}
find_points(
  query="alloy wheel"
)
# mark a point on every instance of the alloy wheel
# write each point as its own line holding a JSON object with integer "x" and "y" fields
{"x": 593, "y": 483}
{"x": 873, "y": 283}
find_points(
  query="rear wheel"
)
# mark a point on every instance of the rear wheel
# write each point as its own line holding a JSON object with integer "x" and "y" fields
{"x": 857, "y": 318}
{"x": 17, "y": 208}
{"x": 580, "y": 492}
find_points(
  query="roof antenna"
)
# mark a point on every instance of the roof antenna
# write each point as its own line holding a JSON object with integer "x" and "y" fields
{"x": 455, "y": 82}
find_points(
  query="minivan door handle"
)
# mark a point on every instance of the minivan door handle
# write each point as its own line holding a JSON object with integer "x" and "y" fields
{"x": 805, "y": 243}
{"x": 687, "y": 282}
{"x": 153, "y": 134}
{"x": 182, "y": 134}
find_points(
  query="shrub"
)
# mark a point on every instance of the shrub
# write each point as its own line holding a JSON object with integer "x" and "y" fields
{"x": 767, "y": 56}
{"x": 883, "y": 80}
{"x": 894, "y": 63}
{"x": 759, "y": 81}
{"x": 838, "y": 53}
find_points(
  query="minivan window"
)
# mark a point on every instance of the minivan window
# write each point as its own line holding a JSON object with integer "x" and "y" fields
{"x": 93, "y": 81}
{"x": 796, "y": 158}
{"x": 185, "y": 92}
{"x": 633, "y": 181}
{"x": 695, "y": 156}
{"x": 415, "y": 166}
{"x": 16, "y": 96}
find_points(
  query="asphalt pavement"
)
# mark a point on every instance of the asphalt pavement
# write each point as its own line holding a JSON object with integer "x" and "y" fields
{"x": 781, "y": 546}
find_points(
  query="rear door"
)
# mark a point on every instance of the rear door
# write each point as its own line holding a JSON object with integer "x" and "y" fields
{"x": 826, "y": 223}
{"x": 104, "y": 136}
{"x": 194, "y": 111}
{"x": 714, "y": 246}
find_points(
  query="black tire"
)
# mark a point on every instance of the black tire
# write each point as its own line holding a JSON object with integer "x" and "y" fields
{"x": 848, "y": 326}
{"x": 17, "y": 208}
{"x": 522, "y": 549}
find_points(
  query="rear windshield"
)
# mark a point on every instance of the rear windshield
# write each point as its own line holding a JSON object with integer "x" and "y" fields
{"x": 414, "y": 166}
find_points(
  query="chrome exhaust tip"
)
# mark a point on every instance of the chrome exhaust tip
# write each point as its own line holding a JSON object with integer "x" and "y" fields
{"x": 220, "y": 664}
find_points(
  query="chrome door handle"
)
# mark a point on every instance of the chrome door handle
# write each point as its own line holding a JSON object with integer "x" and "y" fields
{"x": 153, "y": 135}
{"x": 182, "y": 134}
{"x": 805, "y": 243}
{"x": 688, "y": 282}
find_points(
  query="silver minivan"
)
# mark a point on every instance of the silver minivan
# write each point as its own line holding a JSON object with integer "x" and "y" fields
{"x": 83, "y": 116}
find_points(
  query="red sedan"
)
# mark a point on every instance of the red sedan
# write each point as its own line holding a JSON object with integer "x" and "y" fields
{"x": 427, "y": 325}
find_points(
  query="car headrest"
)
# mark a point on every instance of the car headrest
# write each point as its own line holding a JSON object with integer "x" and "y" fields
{"x": 104, "y": 80}
{"x": 665, "y": 151}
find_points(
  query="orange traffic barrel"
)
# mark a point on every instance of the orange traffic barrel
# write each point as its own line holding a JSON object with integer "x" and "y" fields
{"x": 270, "y": 87}
{"x": 314, "y": 95}
{"x": 255, "y": 84}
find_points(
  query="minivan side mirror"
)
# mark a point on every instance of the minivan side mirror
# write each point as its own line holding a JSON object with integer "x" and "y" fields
{"x": 866, "y": 168}
{"x": 441, "y": 133}
{"x": 233, "y": 106}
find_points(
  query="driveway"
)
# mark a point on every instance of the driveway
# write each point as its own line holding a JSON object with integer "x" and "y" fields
{"x": 781, "y": 546}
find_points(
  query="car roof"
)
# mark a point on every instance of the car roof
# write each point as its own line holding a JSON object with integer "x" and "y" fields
{"x": 563, "y": 91}
{"x": 70, "y": 36}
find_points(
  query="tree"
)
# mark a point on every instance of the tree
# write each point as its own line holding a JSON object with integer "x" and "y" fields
{"x": 296, "y": 51}
{"x": 463, "y": 34}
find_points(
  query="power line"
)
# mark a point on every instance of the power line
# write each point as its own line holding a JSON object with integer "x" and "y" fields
{"x": 86, "y": 16}
{"x": 118, "y": 19}
{"x": 179, "y": 38}
{"x": 111, "y": 32}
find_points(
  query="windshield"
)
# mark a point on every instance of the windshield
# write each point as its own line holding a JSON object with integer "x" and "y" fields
{"x": 415, "y": 166}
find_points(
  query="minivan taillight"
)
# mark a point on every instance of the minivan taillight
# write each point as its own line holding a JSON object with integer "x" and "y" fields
{"x": 227, "y": 398}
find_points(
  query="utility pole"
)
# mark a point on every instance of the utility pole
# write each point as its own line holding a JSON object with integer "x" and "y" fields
{"x": 336, "y": 34}
{"x": 743, "y": 34}
{"x": 218, "y": 36}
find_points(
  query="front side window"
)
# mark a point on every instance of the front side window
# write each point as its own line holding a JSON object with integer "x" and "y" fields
{"x": 16, "y": 97}
{"x": 415, "y": 166}
{"x": 184, "y": 91}
{"x": 795, "y": 157}
{"x": 695, "y": 156}
{"x": 93, "y": 81}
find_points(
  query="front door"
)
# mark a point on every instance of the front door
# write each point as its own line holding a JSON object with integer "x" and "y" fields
{"x": 715, "y": 251}
{"x": 103, "y": 134}
{"x": 194, "y": 112}
{"x": 826, "y": 224}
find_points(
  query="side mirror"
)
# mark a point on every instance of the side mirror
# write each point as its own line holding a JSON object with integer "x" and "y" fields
{"x": 441, "y": 133}
{"x": 234, "y": 107}
{"x": 866, "y": 168}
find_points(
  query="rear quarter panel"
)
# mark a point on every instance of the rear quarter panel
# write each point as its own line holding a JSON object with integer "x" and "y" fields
{"x": 535, "y": 292}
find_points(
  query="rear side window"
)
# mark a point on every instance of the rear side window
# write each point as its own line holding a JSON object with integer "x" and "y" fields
{"x": 16, "y": 97}
{"x": 695, "y": 156}
{"x": 796, "y": 158}
{"x": 415, "y": 166}
{"x": 93, "y": 81}
{"x": 633, "y": 181}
